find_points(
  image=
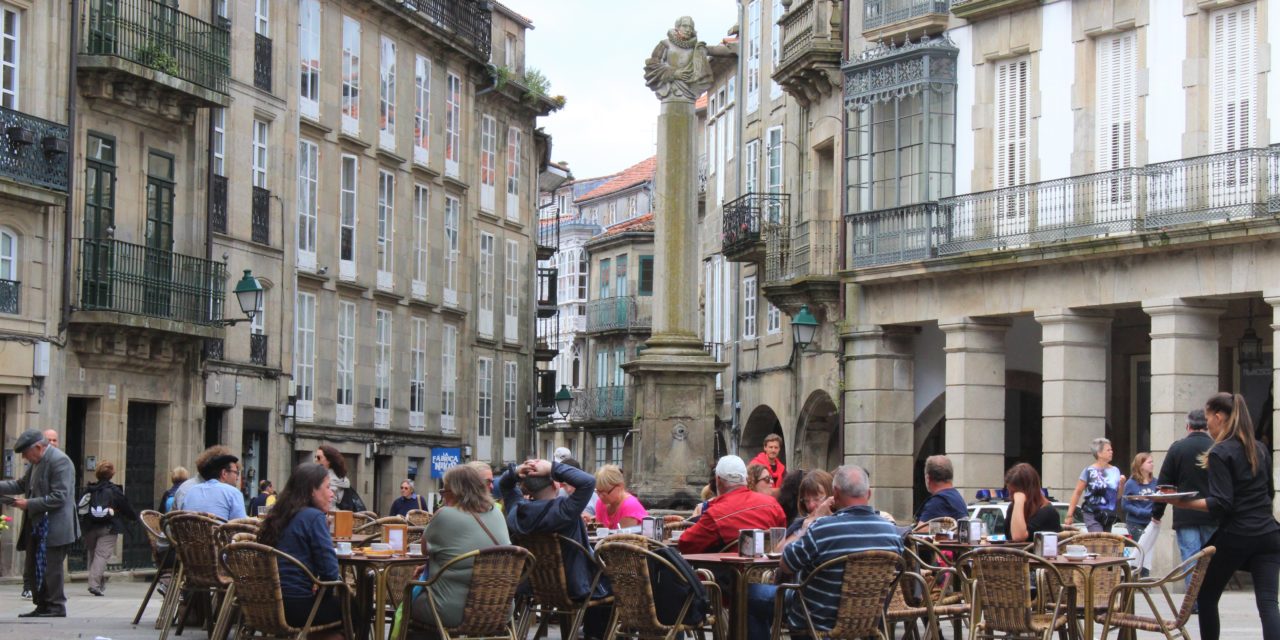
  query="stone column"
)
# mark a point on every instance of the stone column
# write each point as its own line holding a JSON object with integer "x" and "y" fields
{"x": 975, "y": 401}
{"x": 879, "y": 418}
{"x": 1273, "y": 298}
{"x": 1074, "y": 412}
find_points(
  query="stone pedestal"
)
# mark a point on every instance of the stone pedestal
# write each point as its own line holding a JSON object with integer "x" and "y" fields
{"x": 975, "y": 401}
{"x": 879, "y": 413}
{"x": 674, "y": 431}
{"x": 1074, "y": 393}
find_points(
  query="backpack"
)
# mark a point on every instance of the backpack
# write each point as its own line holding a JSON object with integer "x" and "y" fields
{"x": 670, "y": 592}
{"x": 95, "y": 505}
{"x": 351, "y": 501}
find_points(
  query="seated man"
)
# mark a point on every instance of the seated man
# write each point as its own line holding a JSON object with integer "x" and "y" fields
{"x": 735, "y": 508}
{"x": 217, "y": 494}
{"x": 547, "y": 512}
{"x": 853, "y": 527}
{"x": 944, "y": 500}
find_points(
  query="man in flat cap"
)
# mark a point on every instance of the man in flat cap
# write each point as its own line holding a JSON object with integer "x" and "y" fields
{"x": 46, "y": 493}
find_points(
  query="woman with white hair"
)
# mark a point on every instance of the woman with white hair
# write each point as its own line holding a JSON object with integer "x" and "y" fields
{"x": 1100, "y": 484}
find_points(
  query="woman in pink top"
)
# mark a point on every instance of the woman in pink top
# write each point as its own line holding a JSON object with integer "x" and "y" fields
{"x": 615, "y": 508}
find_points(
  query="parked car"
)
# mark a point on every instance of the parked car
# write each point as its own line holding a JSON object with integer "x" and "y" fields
{"x": 992, "y": 513}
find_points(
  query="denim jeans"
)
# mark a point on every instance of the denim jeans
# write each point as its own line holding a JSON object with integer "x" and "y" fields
{"x": 760, "y": 611}
{"x": 1192, "y": 539}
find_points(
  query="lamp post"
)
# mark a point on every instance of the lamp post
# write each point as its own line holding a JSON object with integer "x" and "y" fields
{"x": 249, "y": 294}
{"x": 564, "y": 401}
{"x": 803, "y": 328}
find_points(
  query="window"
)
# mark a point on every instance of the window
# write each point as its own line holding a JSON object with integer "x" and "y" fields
{"x": 773, "y": 320}
{"x": 646, "y": 276}
{"x": 448, "y": 379}
{"x": 484, "y": 399}
{"x": 749, "y": 308}
{"x": 604, "y": 278}
{"x": 513, "y": 173}
{"x": 485, "y": 285}
{"x": 99, "y": 187}
{"x": 620, "y": 276}
{"x": 309, "y": 57}
{"x": 262, "y": 18}
{"x": 382, "y": 370}
{"x": 1115, "y": 110}
{"x": 10, "y": 51}
{"x": 347, "y": 203}
{"x": 609, "y": 450}
{"x": 751, "y": 167}
{"x": 452, "y": 124}
{"x": 753, "y": 56}
{"x": 775, "y": 47}
{"x": 160, "y": 187}
{"x": 583, "y": 274}
{"x": 261, "y": 138}
{"x": 510, "y": 381}
{"x": 421, "y": 203}
{"x": 258, "y": 325}
{"x": 1012, "y": 141}
{"x": 451, "y": 212}
{"x": 387, "y": 95}
{"x": 773, "y": 172}
{"x": 218, "y": 141}
{"x": 1233, "y": 78}
{"x": 488, "y": 161}
{"x": 350, "y": 74}
{"x": 386, "y": 228}
{"x": 510, "y": 51}
{"x": 422, "y": 110}
{"x": 8, "y": 257}
{"x": 418, "y": 375}
{"x": 304, "y": 355}
{"x": 511, "y": 302}
{"x": 345, "y": 399}
{"x": 308, "y": 186}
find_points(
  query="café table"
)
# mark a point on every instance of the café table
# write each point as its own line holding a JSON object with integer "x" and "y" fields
{"x": 378, "y": 566}
{"x": 357, "y": 539}
{"x": 1087, "y": 567}
{"x": 741, "y": 567}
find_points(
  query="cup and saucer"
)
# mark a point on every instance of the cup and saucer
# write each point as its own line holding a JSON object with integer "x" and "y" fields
{"x": 343, "y": 549}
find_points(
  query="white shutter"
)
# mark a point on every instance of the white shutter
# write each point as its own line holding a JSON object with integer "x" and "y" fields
{"x": 1012, "y": 138}
{"x": 1115, "y": 109}
{"x": 1233, "y": 80}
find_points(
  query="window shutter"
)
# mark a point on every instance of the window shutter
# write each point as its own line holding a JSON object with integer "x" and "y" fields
{"x": 1115, "y": 102}
{"x": 1012, "y": 137}
{"x": 1233, "y": 80}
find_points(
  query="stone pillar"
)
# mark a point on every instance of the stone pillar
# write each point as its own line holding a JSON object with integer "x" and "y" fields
{"x": 975, "y": 401}
{"x": 1075, "y": 346}
{"x": 1273, "y": 298}
{"x": 879, "y": 418}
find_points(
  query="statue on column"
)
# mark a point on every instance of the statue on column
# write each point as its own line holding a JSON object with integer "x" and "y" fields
{"x": 679, "y": 67}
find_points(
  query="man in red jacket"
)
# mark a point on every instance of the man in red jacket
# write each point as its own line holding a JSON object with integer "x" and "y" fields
{"x": 734, "y": 509}
{"x": 769, "y": 458}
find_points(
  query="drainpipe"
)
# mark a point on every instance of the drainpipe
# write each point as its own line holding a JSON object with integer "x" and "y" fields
{"x": 67, "y": 211}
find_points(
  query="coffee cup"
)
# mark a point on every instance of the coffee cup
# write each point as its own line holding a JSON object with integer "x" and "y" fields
{"x": 1077, "y": 551}
{"x": 344, "y": 548}
{"x": 415, "y": 549}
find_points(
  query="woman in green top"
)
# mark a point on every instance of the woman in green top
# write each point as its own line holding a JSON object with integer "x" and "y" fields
{"x": 468, "y": 521}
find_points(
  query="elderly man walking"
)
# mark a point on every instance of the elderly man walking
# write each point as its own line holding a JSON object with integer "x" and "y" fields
{"x": 47, "y": 495}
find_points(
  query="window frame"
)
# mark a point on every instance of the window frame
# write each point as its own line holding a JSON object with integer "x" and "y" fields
{"x": 261, "y": 152}
{"x": 310, "y": 27}
{"x": 485, "y": 284}
{"x": 348, "y": 216}
{"x": 421, "y": 238}
{"x": 304, "y": 356}
{"x": 448, "y": 379}
{"x": 511, "y": 293}
{"x": 382, "y": 369}
{"x": 749, "y": 306}
{"x": 345, "y": 365}
{"x": 386, "y": 231}
{"x": 422, "y": 110}
{"x": 418, "y": 375}
{"x": 452, "y": 124}
{"x": 452, "y": 249}
{"x": 387, "y": 52}
{"x": 308, "y": 209}
{"x": 352, "y": 29}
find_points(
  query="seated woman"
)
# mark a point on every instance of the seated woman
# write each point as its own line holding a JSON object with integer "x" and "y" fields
{"x": 296, "y": 525}
{"x": 1029, "y": 511}
{"x": 615, "y": 508}
{"x": 813, "y": 501}
{"x": 469, "y": 521}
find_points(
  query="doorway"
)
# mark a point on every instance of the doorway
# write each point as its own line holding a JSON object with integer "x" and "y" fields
{"x": 140, "y": 464}
{"x": 254, "y": 452}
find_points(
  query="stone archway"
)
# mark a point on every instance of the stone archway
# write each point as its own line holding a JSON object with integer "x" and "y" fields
{"x": 761, "y": 422}
{"x": 819, "y": 442}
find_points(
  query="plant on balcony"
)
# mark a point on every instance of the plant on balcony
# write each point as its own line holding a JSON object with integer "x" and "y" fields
{"x": 152, "y": 54}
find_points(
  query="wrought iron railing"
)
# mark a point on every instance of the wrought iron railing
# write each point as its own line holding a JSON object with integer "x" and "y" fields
{"x": 258, "y": 348}
{"x": 218, "y": 203}
{"x": 215, "y": 349}
{"x": 747, "y": 217}
{"x": 155, "y": 35}
{"x": 604, "y": 403}
{"x": 134, "y": 279}
{"x": 34, "y": 150}
{"x": 468, "y": 20}
{"x": 262, "y": 62}
{"x": 619, "y": 313}
{"x": 806, "y": 23}
{"x": 811, "y": 248}
{"x": 878, "y": 13}
{"x": 10, "y": 295}
{"x": 548, "y": 281}
{"x": 1220, "y": 187}
{"x": 549, "y": 233}
{"x": 702, "y": 175}
{"x": 261, "y": 216}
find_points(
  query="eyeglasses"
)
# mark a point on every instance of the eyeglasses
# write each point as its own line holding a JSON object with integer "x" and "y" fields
{"x": 234, "y": 472}
{"x": 605, "y": 492}
{"x": 768, "y": 479}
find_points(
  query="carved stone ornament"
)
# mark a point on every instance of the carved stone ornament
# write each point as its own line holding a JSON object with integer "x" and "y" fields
{"x": 679, "y": 67}
{"x": 889, "y": 72}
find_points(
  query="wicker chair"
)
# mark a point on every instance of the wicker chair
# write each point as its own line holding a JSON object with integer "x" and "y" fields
{"x": 161, "y": 554}
{"x": 418, "y": 517}
{"x": 948, "y": 591}
{"x": 868, "y": 579}
{"x": 1115, "y": 616}
{"x": 194, "y": 538}
{"x": 551, "y": 585}
{"x": 627, "y": 567}
{"x": 946, "y": 523}
{"x": 374, "y": 527}
{"x": 496, "y": 572}
{"x": 1104, "y": 578}
{"x": 254, "y": 569}
{"x": 230, "y": 529}
{"x": 1001, "y": 580}
{"x": 362, "y": 518}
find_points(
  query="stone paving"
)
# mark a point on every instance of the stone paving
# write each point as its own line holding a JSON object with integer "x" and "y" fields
{"x": 91, "y": 617}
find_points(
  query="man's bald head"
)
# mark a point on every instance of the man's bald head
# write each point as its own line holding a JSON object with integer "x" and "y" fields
{"x": 52, "y": 436}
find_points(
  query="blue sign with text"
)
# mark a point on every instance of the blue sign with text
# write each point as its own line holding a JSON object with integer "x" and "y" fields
{"x": 443, "y": 459}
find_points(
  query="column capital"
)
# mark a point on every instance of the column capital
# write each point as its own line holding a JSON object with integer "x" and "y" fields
{"x": 974, "y": 323}
{"x": 1271, "y": 297}
{"x": 1052, "y": 316}
{"x": 1184, "y": 306}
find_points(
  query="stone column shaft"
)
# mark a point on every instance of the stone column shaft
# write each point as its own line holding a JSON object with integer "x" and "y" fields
{"x": 675, "y": 299}
{"x": 880, "y": 411}
{"x": 1273, "y": 299}
{"x": 975, "y": 384}
{"x": 1074, "y": 411}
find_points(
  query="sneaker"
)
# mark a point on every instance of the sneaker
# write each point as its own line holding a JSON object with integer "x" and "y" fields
{"x": 26, "y": 594}
{"x": 96, "y": 592}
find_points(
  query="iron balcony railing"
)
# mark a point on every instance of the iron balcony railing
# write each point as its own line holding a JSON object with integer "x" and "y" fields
{"x": 1226, "y": 186}
{"x": 548, "y": 280}
{"x": 810, "y": 248}
{"x": 604, "y": 403}
{"x": 747, "y": 217}
{"x": 155, "y": 35}
{"x": 702, "y": 175}
{"x": 34, "y": 150}
{"x": 215, "y": 349}
{"x": 134, "y": 279}
{"x": 261, "y": 216}
{"x": 218, "y": 203}
{"x": 10, "y": 293}
{"x": 549, "y": 233}
{"x": 467, "y": 20}
{"x": 620, "y": 313}
{"x": 262, "y": 62}
{"x": 258, "y": 348}
{"x": 878, "y": 13}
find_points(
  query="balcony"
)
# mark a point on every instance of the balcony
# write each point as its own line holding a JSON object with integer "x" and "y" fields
{"x": 620, "y": 314}
{"x": 547, "y": 305}
{"x": 809, "y": 66}
{"x": 128, "y": 284}
{"x": 899, "y": 19}
{"x": 34, "y": 151}
{"x": 604, "y": 404}
{"x": 800, "y": 266}
{"x": 258, "y": 349}
{"x": 702, "y": 177}
{"x": 214, "y": 349}
{"x": 1236, "y": 186}
{"x": 218, "y": 203}
{"x": 546, "y": 405}
{"x": 151, "y": 56}
{"x": 262, "y": 62}
{"x": 548, "y": 238}
{"x": 10, "y": 295}
{"x": 261, "y": 216}
{"x": 466, "y": 22}
{"x": 978, "y": 9}
{"x": 746, "y": 220}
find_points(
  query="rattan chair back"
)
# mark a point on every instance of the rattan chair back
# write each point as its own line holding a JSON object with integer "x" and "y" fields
{"x": 626, "y": 565}
{"x": 496, "y": 573}
{"x": 1104, "y": 578}
{"x": 418, "y": 517}
{"x": 1001, "y": 581}
{"x": 869, "y": 578}
{"x": 947, "y": 523}
{"x": 255, "y": 570}
{"x": 362, "y": 518}
{"x": 225, "y": 533}
{"x": 375, "y": 526}
{"x": 194, "y": 538}
{"x": 150, "y": 520}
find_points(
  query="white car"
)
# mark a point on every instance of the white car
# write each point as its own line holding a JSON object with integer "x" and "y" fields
{"x": 993, "y": 512}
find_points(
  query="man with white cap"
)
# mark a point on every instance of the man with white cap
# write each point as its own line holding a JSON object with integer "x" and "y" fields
{"x": 561, "y": 454}
{"x": 734, "y": 508}
{"x": 47, "y": 493}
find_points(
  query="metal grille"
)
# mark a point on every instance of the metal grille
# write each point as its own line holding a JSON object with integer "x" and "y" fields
{"x": 214, "y": 349}
{"x": 130, "y": 278}
{"x": 34, "y": 150}
{"x": 261, "y": 215}
{"x": 746, "y": 218}
{"x": 262, "y": 62}
{"x": 619, "y": 313}
{"x": 218, "y": 203}
{"x": 468, "y": 20}
{"x": 156, "y": 35}
{"x": 604, "y": 403}
{"x": 140, "y": 464}
{"x": 258, "y": 348}
{"x": 878, "y": 13}
{"x": 10, "y": 291}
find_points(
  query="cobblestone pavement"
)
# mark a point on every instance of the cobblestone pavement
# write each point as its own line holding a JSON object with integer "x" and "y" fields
{"x": 91, "y": 617}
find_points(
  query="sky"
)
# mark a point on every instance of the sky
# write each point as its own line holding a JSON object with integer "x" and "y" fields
{"x": 593, "y": 53}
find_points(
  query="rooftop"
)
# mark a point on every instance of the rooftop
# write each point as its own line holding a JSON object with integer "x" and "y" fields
{"x": 639, "y": 173}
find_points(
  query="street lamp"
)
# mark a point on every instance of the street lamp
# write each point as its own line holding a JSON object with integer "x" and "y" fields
{"x": 803, "y": 327}
{"x": 564, "y": 400}
{"x": 249, "y": 294}
{"x": 1250, "y": 345}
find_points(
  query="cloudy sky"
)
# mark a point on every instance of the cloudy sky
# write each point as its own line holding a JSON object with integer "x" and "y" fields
{"x": 593, "y": 53}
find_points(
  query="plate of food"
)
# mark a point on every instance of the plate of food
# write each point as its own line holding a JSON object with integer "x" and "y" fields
{"x": 1165, "y": 497}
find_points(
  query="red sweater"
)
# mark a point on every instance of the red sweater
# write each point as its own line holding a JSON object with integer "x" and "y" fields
{"x": 777, "y": 473}
{"x": 728, "y": 514}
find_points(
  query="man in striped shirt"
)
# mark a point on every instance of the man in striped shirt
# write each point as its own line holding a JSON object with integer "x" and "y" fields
{"x": 853, "y": 526}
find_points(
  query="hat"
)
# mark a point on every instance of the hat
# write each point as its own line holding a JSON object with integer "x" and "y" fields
{"x": 27, "y": 439}
{"x": 732, "y": 469}
{"x": 561, "y": 453}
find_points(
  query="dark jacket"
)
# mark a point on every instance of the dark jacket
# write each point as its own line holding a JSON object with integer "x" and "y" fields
{"x": 1180, "y": 468}
{"x": 167, "y": 495}
{"x": 1239, "y": 498}
{"x": 124, "y": 511}
{"x": 562, "y": 515}
{"x": 402, "y": 506}
{"x": 306, "y": 538}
